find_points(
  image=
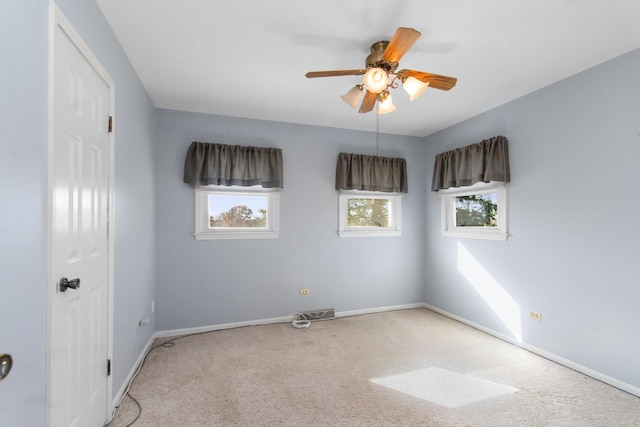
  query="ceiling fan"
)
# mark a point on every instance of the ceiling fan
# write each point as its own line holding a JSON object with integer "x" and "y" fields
{"x": 380, "y": 74}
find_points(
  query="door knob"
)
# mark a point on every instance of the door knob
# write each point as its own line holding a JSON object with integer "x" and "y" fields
{"x": 66, "y": 284}
{"x": 6, "y": 362}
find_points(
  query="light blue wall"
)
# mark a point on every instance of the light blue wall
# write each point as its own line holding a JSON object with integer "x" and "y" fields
{"x": 23, "y": 209}
{"x": 214, "y": 282}
{"x": 571, "y": 255}
{"x": 573, "y": 203}
{"x": 23, "y": 186}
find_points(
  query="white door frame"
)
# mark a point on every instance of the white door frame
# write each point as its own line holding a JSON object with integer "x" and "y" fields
{"x": 57, "y": 19}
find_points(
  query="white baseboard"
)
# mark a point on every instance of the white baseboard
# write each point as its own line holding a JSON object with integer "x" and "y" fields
{"x": 543, "y": 353}
{"x": 187, "y": 331}
{"x": 379, "y": 309}
{"x": 123, "y": 388}
{"x": 283, "y": 319}
{"x": 201, "y": 329}
{"x": 287, "y": 319}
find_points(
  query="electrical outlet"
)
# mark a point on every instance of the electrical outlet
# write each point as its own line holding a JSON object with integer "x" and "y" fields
{"x": 304, "y": 291}
{"x": 535, "y": 316}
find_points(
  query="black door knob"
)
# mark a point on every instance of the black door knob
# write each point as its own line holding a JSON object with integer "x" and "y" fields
{"x": 66, "y": 284}
{"x": 6, "y": 362}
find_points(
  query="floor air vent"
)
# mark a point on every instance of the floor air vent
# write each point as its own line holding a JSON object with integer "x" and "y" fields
{"x": 323, "y": 314}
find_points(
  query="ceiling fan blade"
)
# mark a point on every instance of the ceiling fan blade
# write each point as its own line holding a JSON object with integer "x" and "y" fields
{"x": 435, "y": 81}
{"x": 312, "y": 74}
{"x": 368, "y": 102}
{"x": 402, "y": 40}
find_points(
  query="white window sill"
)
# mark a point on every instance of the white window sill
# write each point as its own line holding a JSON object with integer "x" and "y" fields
{"x": 236, "y": 235}
{"x": 370, "y": 233}
{"x": 487, "y": 235}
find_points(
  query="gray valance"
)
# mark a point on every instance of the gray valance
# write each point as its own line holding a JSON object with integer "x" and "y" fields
{"x": 219, "y": 164}
{"x": 372, "y": 173}
{"x": 483, "y": 161}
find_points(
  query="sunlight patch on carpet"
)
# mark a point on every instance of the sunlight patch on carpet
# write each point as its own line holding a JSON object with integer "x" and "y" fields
{"x": 443, "y": 387}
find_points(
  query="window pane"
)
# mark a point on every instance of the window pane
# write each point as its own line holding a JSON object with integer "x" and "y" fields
{"x": 238, "y": 211}
{"x": 368, "y": 212}
{"x": 476, "y": 210}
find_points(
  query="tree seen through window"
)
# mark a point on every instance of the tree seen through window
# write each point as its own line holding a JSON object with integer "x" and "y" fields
{"x": 363, "y": 212}
{"x": 230, "y": 211}
{"x": 477, "y": 210}
{"x": 239, "y": 216}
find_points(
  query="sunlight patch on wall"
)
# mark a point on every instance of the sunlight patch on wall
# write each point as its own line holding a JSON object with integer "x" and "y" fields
{"x": 499, "y": 300}
{"x": 443, "y": 387}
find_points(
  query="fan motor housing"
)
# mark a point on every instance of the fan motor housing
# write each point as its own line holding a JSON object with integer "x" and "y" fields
{"x": 375, "y": 58}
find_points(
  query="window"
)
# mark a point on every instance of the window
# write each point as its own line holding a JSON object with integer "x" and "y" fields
{"x": 478, "y": 211}
{"x": 367, "y": 214}
{"x": 236, "y": 213}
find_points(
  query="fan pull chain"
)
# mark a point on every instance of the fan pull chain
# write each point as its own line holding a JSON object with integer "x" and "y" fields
{"x": 377, "y": 133}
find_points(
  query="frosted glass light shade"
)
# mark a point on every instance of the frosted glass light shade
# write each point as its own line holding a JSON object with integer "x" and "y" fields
{"x": 352, "y": 96}
{"x": 386, "y": 105}
{"x": 414, "y": 87}
{"x": 375, "y": 80}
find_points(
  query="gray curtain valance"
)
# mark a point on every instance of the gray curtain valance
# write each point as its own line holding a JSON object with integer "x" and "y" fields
{"x": 372, "y": 173}
{"x": 483, "y": 161}
{"x": 219, "y": 164}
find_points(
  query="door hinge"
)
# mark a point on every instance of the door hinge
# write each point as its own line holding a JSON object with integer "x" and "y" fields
{"x": 110, "y": 124}
{"x": 108, "y": 367}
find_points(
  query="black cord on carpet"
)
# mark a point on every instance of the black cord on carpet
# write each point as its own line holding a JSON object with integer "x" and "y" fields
{"x": 166, "y": 344}
{"x": 139, "y": 410}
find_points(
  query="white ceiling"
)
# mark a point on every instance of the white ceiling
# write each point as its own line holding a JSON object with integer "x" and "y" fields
{"x": 249, "y": 58}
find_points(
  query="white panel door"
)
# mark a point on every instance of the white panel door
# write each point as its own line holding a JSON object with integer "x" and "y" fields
{"x": 79, "y": 316}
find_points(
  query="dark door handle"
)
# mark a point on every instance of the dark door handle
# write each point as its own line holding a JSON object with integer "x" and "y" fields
{"x": 6, "y": 362}
{"x": 66, "y": 284}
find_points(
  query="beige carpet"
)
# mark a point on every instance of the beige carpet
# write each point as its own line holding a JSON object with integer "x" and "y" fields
{"x": 401, "y": 368}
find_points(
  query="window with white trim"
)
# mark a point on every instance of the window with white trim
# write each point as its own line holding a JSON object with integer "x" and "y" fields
{"x": 237, "y": 212}
{"x": 478, "y": 211}
{"x": 370, "y": 214}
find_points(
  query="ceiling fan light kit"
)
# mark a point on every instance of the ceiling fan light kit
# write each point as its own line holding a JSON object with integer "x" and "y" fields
{"x": 414, "y": 87}
{"x": 380, "y": 75}
{"x": 385, "y": 103}
{"x": 353, "y": 96}
{"x": 376, "y": 80}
